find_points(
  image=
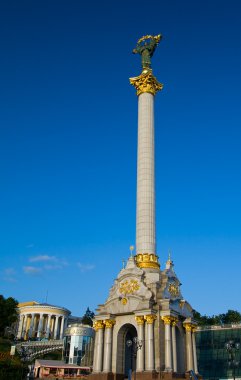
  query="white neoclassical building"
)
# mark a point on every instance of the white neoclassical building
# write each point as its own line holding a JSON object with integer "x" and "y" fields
{"x": 41, "y": 320}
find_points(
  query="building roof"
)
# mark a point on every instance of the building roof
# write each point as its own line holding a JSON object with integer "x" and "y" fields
{"x": 55, "y": 364}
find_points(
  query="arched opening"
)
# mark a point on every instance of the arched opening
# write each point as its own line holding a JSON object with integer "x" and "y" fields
{"x": 125, "y": 358}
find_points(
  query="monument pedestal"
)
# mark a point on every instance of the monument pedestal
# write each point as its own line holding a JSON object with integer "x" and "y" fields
{"x": 145, "y": 375}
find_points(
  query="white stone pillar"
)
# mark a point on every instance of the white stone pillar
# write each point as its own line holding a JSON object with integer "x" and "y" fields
{"x": 98, "y": 357}
{"x": 62, "y": 327}
{"x": 109, "y": 323}
{"x": 40, "y": 325}
{"x": 20, "y": 326}
{"x": 174, "y": 345}
{"x": 56, "y": 326}
{"x": 168, "y": 343}
{"x": 194, "y": 350}
{"x": 189, "y": 353}
{"x": 140, "y": 359}
{"x": 23, "y": 334}
{"x": 30, "y": 333}
{"x": 48, "y": 326}
{"x": 150, "y": 359}
{"x": 145, "y": 218}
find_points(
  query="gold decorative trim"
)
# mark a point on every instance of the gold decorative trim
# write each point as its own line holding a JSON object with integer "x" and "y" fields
{"x": 129, "y": 287}
{"x": 98, "y": 325}
{"x": 109, "y": 323}
{"x": 146, "y": 82}
{"x": 124, "y": 301}
{"x": 150, "y": 318}
{"x": 140, "y": 319}
{"x": 188, "y": 326}
{"x": 147, "y": 260}
{"x": 167, "y": 319}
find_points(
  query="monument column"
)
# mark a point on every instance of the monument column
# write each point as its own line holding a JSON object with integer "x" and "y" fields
{"x": 150, "y": 362}
{"x": 188, "y": 328}
{"x": 147, "y": 86}
{"x": 194, "y": 350}
{"x": 109, "y": 323}
{"x": 40, "y": 325}
{"x": 56, "y": 326}
{"x": 140, "y": 335}
{"x": 31, "y": 325}
{"x": 174, "y": 344}
{"x": 168, "y": 343}
{"x": 98, "y": 355}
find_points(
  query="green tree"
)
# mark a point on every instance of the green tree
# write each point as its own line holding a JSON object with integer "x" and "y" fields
{"x": 87, "y": 318}
{"x": 232, "y": 316}
{"x": 8, "y": 313}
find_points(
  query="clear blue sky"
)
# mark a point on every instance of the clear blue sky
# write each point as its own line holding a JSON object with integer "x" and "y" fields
{"x": 68, "y": 122}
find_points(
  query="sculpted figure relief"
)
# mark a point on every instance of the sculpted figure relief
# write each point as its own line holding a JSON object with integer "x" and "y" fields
{"x": 146, "y": 47}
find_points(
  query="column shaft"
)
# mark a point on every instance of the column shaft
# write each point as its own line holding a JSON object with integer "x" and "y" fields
{"x": 145, "y": 218}
{"x": 107, "y": 350}
{"x": 189, "y": 349}
{"x": 174, "y": 347}
{"x": 20, "y": 326}
{"x": 140, "y": 353}
{"x": 40, "y": 325}
{"x": 62, "y": 327}
{"x": 194, "y": 352}
{"x": 168, "y": 348}
{"x": 31, "y": 326}
{"x": 150, "y": 348}
{"x": 56, "y": 326}
{"x": 99, "y": 350}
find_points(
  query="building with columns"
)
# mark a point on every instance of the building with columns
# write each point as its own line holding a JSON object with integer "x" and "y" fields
{"x": 41, "y": 320}
{"x": 145, "y": 325}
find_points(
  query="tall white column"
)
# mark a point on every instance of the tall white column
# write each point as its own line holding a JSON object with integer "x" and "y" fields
{"x": 168, "y": 343}
{"x": 99, "y": 338}
{"x": 30, "y": 333}
{"x": 174, "y": 345}
{"x": 140, "y": 363}
{"x": 56, "y": 326}
{"x": 24, "y": 326}
{"x": 20, "y": 326}
{"x": 189, "y": 347}
{"x": 40, "y": 325}
{"x": 194, "y": 350}
{"x": 108, "y": 345}
{"x": 62, "y": 327}
{"x": 145, "y": 218}
{"x": 48, "y": 326}
{"x": 150, "y": 359}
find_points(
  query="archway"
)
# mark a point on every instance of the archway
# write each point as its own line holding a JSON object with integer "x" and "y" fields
{"x": 125, "y": 360}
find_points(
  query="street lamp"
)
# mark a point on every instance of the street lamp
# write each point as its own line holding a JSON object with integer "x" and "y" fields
{"x": 232, "y": 349}
{"x": 136, "y": 345}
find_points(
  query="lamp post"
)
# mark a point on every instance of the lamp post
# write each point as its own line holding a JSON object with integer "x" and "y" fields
{"x": 136, "y": 345}
{"x": 232, "y": 349}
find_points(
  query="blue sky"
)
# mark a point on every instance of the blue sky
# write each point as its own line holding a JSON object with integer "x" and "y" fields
{"x": 68, "y": 128}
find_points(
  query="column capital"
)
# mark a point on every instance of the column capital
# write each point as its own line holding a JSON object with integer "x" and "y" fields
{"x": 188, "y": 326}
{"x": 109, "y": 323}
{"x": 146, "y": 82}
{"x": 98, "y": 325}
{"x": 150, "y": 318}
{"x": 140, "y": 319}
{"x": 169, "y": 320}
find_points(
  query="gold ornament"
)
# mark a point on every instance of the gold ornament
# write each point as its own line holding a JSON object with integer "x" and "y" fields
{"x": 188, "y": 326}
{"x": 150, "y": 318}
{"x": 173, "y": 289}
{"x": 98, "y": 325}
{"x": 109, "y": 323}
{"x": 129, "y": 287}
{"x": 146, "y": 82}
{"x": 167, "y": 319}
{"x": 140, "y": 319}
{"x": 147, "y": 260}
{"x": 124, "y": 301}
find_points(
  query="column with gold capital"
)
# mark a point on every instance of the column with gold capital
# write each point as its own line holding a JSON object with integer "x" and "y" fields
{"x": 150, "y": 364}
{"x": 174, "y": 344}
{"x": 99, "y": 338}
{"x": 109, "y": 323}
{"x": 194, "y": 329}
{"x": 147, "y": 86}
{"x": 140, "y": 335}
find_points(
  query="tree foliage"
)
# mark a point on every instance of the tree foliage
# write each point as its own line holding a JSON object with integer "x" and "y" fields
{"x": 232, "y": 316}
{"x": 87, "y": 318}
{"x": 8, "y": 313}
